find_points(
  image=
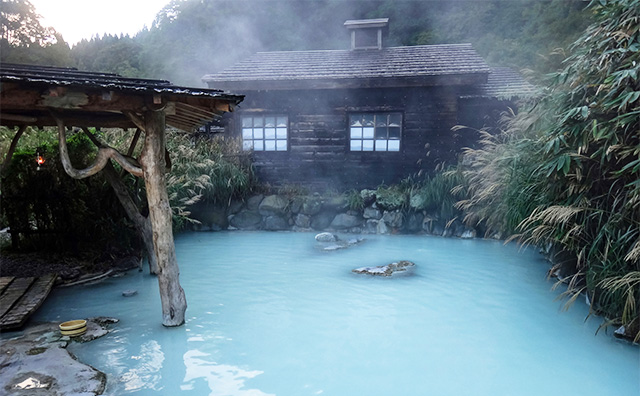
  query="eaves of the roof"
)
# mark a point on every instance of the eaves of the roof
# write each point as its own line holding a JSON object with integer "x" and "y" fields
{"x": 29, "y": 94}
{"x": 62, "y": 76}
{"x": 503, "y": 84}
{"x": 446, "y": 64}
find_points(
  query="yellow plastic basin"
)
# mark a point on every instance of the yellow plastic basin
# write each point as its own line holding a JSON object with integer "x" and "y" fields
{"x": 73, "y": 325}
{"x": 75, "y": 332}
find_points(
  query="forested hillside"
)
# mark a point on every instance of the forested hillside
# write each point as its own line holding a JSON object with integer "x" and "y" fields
{"x": 190, "y": 38}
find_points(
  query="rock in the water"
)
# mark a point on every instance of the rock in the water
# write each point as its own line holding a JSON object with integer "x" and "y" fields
{"x": 326, "y": 237}
{"x": 386, "y": 270}
{"x": 129, "y": 293}
{"x": 340, "y": 244}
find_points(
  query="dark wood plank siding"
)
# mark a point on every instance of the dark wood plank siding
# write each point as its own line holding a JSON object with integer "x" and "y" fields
{"x": 318, "y": 142}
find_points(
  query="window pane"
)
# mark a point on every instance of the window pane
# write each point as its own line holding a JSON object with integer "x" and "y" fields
{"x": 270, "y": 133}
{"x": 247, "y": 133}
{"x": 258, "y": 145}
{"x": 381, "y": 145}
{"x": 394, "y": 132}
{"x": 247, "y": 145}
{"x": 282, "y": 122}
{"x": 367, "y": 133}
{"x": 270, "y": 145}
{"x": 270, "y": 122}
{"x": 368, "y": 119}
{"x": 282, "y": 133}
{"x": 247, "y": 122}
{"x": 281, "y": 145}
{"x": 375, "y": 131}
{"x": 382, "y": 132}
{"x": 257, "y": 133}
{"x": 258, "y": 122}
{"x": 395, "y": 119}
{"x": 367, "y": 145}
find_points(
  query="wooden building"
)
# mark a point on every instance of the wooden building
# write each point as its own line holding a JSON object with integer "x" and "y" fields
{"x": 363, "y": 116}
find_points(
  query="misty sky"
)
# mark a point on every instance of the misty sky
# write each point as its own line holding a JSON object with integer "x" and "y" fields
{"x": 78, "y": 19}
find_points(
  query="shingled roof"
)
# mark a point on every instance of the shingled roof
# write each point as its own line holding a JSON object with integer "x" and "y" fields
{"x": 387, "y": 67}
{"x": 29, "y": 93}
{"x": 504, "y": 84}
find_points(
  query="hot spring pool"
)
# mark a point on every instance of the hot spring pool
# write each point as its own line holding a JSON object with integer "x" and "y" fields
{"x": 270, "y": 314}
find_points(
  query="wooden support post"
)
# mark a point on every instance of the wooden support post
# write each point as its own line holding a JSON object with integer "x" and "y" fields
{"x": 12, "y": 148}
{"x": 174, "y": 303}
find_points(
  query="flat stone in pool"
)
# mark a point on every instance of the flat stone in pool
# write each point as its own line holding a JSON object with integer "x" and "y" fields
{"x": 386, "y": 270}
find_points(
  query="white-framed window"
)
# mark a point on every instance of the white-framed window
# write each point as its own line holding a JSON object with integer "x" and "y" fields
{"x": 375, "y": 131}
{"x": 265, "y": 132}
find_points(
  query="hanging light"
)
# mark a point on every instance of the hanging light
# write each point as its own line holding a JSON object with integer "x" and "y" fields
{"x": 39, "y": 159}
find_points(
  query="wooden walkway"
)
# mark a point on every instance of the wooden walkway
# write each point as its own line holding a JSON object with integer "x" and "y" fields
{"x": 20, "y": 297}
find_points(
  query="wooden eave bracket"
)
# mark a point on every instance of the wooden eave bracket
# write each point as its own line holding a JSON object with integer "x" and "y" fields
{"x": 104, "y": 154}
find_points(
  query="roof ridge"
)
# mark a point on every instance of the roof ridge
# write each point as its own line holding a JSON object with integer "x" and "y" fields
{"x": 366, "y": 50}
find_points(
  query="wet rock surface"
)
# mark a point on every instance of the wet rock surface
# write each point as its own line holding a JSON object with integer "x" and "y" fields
{"x": 386, "y": 270}
{"x": 329, "y": 242}
{"x": 36, "y": 362}
{"x": 326, "y": 237}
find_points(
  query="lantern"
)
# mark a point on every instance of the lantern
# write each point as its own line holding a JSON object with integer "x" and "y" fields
{"x": 39, "y": 160}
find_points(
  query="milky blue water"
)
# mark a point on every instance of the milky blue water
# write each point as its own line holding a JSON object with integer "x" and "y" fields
{"x": 271, "y": 314}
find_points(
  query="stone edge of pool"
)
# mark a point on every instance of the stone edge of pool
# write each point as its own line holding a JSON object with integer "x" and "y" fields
{"x": 36, "y": 360}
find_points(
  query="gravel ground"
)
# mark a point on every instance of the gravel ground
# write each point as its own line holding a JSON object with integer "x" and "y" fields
{"x": 67, "y": 267}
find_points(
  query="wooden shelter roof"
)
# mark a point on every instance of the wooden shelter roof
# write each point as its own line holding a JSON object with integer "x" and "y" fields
{"x": 29, "y": 95}
{"x": 445, "y": 64}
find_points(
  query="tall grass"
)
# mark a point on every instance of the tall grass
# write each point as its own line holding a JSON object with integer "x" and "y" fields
{"x": 566, "y": 171}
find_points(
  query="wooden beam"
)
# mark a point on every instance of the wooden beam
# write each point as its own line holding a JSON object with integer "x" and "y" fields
{"x": 136, "y": 119}
{"x": 67, "y": 98}
{"x": 18, "y": 117}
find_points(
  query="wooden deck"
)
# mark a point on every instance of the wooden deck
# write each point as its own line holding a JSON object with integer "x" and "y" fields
{"x": 20, "y": 297}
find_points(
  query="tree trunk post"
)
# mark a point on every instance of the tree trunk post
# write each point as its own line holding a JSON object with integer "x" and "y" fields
{"x": 142, "y": 224}
{"x": 174, "y": 303}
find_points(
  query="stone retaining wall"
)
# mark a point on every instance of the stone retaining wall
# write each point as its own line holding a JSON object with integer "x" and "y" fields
{"x": 319, "y": 213}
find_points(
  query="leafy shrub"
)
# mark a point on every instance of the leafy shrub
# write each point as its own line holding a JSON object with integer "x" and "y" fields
{"x": 354, "y": 198}
{"x": 439, "y": 193}
{"x": 211, "y": 170}
{"x": 391, "y": 197}
{"x": 50, "y": 210}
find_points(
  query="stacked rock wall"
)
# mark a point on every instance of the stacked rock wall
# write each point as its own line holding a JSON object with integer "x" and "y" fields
{"x": 319, "y": 213}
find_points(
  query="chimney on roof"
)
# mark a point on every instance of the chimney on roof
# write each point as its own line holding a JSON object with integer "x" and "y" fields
{"x": 367, "y": 33}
